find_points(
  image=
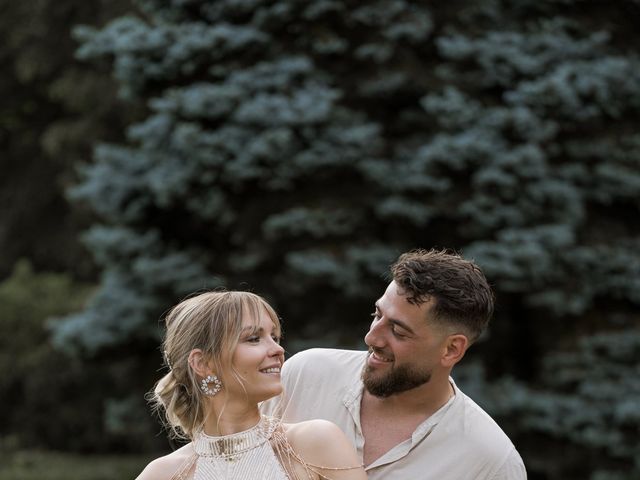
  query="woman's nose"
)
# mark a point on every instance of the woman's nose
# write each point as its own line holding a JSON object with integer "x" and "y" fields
{"x": 276, "y": 349}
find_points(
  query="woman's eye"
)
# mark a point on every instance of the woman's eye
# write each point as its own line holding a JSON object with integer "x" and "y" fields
{"x": 253, "y": 339}
{"x": 275, "y": 338}
{"x": 374, "y": 315}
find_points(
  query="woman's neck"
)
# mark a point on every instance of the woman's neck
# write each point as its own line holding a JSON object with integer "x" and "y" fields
{"x": 233, "y": 419}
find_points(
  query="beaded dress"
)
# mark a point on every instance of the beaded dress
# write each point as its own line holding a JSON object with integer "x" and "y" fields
{"x": 260, "y": 453}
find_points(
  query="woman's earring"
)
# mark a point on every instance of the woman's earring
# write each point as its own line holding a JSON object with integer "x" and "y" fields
{"x": 206, "y": 389}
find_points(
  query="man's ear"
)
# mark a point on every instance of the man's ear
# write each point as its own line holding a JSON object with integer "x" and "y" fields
{"x": 198, "y": 363}
{"x": 455, "y": 347}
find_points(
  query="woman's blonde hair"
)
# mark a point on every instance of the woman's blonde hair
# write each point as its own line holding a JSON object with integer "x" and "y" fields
{"x": 212, "y": 322}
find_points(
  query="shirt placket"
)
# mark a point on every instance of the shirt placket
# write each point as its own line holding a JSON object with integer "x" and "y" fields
{"x": 351, "y": 402}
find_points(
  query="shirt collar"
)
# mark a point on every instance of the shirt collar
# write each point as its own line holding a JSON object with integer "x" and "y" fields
{"x": 351, "y": 401}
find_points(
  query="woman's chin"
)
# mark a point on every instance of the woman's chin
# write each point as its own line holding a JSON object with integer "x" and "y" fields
{"x": 274, "y": 392}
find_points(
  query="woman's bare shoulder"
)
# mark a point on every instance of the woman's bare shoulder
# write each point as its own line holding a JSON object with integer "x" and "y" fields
{"x": 312, "y": 430}
{"x": 164, "y": 468}
{"x": 323, "y": 445}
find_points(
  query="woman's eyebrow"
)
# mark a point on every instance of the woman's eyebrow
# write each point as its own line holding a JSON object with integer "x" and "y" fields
{"x": 252, "y": 328}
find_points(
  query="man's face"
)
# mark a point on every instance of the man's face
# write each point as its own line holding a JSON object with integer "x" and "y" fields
{"x": 403, "y": 348}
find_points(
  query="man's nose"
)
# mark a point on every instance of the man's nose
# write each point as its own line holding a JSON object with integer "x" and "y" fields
{"x": 375, "y": 335}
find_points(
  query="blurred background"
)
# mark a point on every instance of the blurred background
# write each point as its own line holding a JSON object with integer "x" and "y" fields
{"x": 153, "y": 148}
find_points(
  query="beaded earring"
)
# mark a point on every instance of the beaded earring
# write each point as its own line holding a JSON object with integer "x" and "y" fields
{"x": 206, "y": 389}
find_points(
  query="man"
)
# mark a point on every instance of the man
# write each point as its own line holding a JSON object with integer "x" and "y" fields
{"x": 397, "y": 402}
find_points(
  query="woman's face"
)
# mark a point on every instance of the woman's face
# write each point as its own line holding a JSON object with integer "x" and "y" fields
{"x": 257, "y": 359}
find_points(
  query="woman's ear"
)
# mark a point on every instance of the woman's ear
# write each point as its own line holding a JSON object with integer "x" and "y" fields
{"x": 456, "y": 346}
{"x": 199, "y": 363}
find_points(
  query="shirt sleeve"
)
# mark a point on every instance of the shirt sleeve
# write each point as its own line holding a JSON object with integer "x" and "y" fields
{"x": 512, "y": 468}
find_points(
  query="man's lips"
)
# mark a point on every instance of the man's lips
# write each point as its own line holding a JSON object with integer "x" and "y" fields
{"x": 379, "y": 358}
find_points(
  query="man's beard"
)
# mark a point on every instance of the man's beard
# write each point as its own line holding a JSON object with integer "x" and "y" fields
{"x": 399, "y": 379}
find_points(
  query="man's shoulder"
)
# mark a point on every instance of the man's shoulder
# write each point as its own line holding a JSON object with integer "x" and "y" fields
{"x": 485, "y": 445}
{"x": 314, "y": 381}
{"x": 481, "y": 430}
{"x": 324, "y": 360}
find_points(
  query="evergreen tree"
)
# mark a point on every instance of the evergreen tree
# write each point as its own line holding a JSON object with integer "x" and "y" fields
{"x": 299, "y": 147}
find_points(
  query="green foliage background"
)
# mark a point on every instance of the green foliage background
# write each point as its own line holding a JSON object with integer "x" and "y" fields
{"x": 296, "y": 148}
{"x": 53, "y": 109}
{"x": 26, "y": 300}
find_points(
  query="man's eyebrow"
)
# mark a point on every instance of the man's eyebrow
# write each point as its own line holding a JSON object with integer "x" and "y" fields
{"x": 395, "y": 321}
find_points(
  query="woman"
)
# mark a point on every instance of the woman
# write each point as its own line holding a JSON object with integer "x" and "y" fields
{"x": 224, "y": 356}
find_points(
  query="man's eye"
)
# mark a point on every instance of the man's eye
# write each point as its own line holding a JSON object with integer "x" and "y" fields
{"x": 396, "y": 333}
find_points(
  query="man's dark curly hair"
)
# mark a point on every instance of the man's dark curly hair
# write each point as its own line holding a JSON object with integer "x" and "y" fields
{"x": 457, "y": 287}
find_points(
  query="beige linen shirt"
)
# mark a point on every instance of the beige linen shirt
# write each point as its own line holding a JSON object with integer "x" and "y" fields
{"x": 460, "y": 441}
